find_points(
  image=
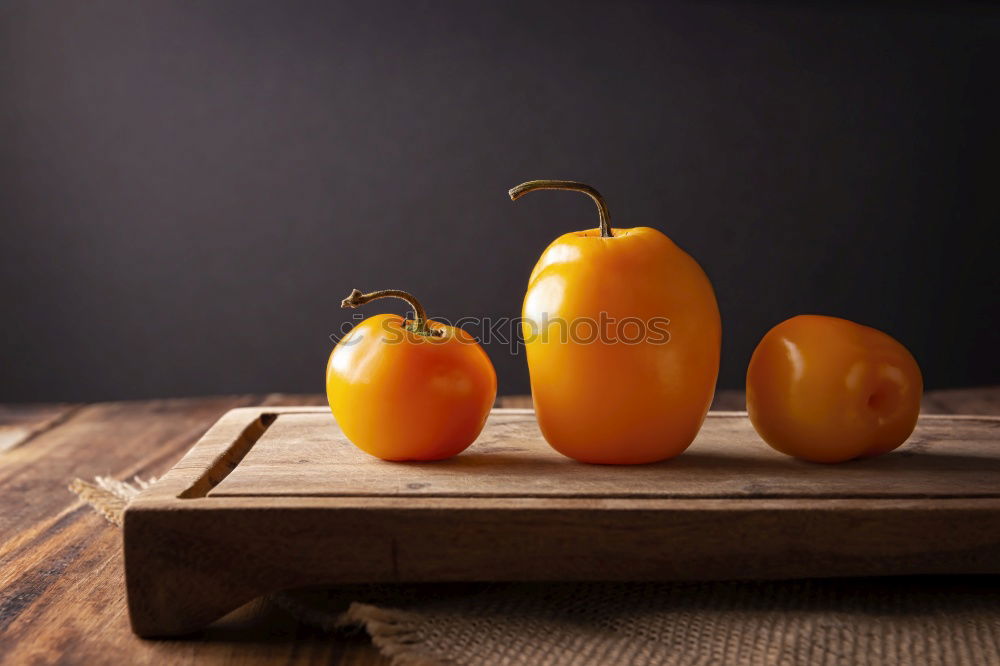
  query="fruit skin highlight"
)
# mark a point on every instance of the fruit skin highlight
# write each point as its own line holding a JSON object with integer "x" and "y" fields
{"x": 827, "y": 389}
{"x": 610, "y": 401}
{"x": 409, "y": 390}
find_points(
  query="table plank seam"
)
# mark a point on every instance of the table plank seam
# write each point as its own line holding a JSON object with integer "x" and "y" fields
{"x": 46, "y": 427}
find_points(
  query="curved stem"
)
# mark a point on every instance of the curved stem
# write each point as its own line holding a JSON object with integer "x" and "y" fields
{"x": 573, "y": 186}
{"x": 356, "y": 299}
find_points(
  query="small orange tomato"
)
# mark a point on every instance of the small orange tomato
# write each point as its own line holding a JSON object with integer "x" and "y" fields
{"x": 409, "y": 390}
{"x": 828, "y": 390}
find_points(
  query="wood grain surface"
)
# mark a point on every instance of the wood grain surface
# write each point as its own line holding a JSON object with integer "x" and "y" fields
{"x": 62, "y": 593}
{"x": 277, "y": 498}
{"x": 306, "y": 455}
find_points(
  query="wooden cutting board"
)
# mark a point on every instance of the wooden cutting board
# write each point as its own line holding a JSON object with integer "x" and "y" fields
{"x": 275, "y": 498}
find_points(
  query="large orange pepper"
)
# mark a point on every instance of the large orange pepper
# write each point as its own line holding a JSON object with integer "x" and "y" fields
{"x": 827, "y": 390}
{"x": 623, "y": 334}
{"x": 409, "y": 390}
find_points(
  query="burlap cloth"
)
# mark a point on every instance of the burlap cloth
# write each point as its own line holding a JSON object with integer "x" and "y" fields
{"x": 850, "y": 621}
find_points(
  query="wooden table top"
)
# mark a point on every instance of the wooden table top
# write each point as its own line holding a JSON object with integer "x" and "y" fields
{"x": 61, "y": 579}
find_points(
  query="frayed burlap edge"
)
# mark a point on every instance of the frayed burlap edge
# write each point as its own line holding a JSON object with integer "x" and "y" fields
{"x": 108, "y": 496}
{"x": 395, "y": 633}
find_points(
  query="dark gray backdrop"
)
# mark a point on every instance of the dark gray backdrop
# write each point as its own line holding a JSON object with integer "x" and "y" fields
{"x": 188, "y": 189}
